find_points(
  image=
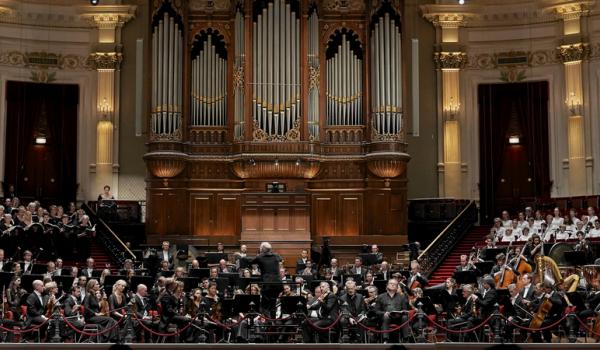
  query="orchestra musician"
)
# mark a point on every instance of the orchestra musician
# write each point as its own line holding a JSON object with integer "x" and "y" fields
{"x": 467, "y": 315}
{"x": 268, "y": 265}
{"x": 354, "y": 310}
{"x": 141, "y": 307}
{"x": 72, "y": 311}
{"x": 465, "y": 264}
{"x": 36, "y": 307}
{"x": 392, "y": 307}
{"x": 553, "y": 315}
{"x": 93, "y": 313}
{"x": 171, "y": 306}
{"x": 327, "y": 308}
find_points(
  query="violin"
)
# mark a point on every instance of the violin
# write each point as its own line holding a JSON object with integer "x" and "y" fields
{"x": 104, "y": 306}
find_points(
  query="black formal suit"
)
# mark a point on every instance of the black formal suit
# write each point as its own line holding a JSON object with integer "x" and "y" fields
{"x": 487, "y": 302}
{"x": 170, "y": 312}
{"x": 161, "y": 256}
{"x": 530, "y": 292}
{"x": 71, "y": 308}
{"x": 26, "y": 269}
{"x": 388, "y": 308}
{"x": 327, "y": 311}
{"x": 300, "y": 265}
{"x": 552, "y": 316}
{"x": 36, "y": 308}
{"x": 354, "y": 271}
{"x": 268, "y": 263}
{"x": 141, "y": 307}
{"x": 87, "y": 272}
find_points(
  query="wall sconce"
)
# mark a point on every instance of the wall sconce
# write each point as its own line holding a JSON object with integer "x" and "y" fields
{"x": 514, "y": 140}
{"x": 40, "y": 140}
{"x": 574, "y": 104}
{"x": 452, "y": 109}
{"x": 105, "y": 110}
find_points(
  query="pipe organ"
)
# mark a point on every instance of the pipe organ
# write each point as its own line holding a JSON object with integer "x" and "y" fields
{"x": 344, "y": 81}
{"x": 386, "y": 76}
{"x": 238, "y": 78}
{"x": 167, "y": 59}
{"x": 276, "y": 69}
{"x": 261, "y": 86}
{"x": 209, "y": 93}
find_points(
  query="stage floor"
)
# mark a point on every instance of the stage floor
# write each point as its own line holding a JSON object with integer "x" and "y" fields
{"x": 435, "y": 346}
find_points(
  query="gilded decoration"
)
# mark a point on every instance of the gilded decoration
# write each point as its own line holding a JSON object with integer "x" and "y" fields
{"x": 209, "y": 5}
{"x": 269, "y": 169}
{"x": 575, "y": 52}
{"x": 343, "y": 5}
{"x": 177, "y": 5}
{"x": 446, "y": 60}
{"x": 107, "y": 20}
{"x": 353, "y": 28}
{"x": 313, "y": 78}
{"x": 238, "y": 78}
{"x": 42, "y": 76}
{"x": 164, "y": 166}
{"x": 387, "y": 168}
{"x": 494, "y": 60}
{"x": 291, "y": 135}
{"x": 571, "y": 11}
{"x": 379, "y": 137}
{"x": 174, "y": 136}
{"x": 106, "y": 60}
{"x": 44, "y": 60}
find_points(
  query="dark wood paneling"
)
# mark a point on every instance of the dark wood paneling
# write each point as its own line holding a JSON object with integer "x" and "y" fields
{"x": 200, "y": 210}
{"x": 324, "y": 213}
{"x": 228, "y": 217}
{"x": 350, "y": 215}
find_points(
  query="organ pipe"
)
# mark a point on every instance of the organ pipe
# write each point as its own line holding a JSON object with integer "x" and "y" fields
{"x": 344, "y": 85}
{"x": 313, "y": 62}
{"x": 238, "y": 69}
{"x": 167, "y": 45}
{"x": 209, "y": 93}
{"x": 276, "y": 69}
{"x": 386, "y": 74}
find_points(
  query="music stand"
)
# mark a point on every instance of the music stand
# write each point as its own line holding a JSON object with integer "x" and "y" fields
{"x": 5, "y": 278}
{"x": 245, "y": 262}
{"x": 289, "y": 305}
{"x": 199, "y": 273}
{"x": 190, "y": 283}
{"x": 222, "y": 284}
{"x": 368, "y": 259}
{"x": 148, "y": 281}
{"x": 357, "y": 278}
{"x": 428, "y": 307}
{"x": 241, "y": 303}
{"x": 503, "y": 295}
{"x": 485, "y": 267}
{"x": 27, "y": 280}
{"x": 110, "y": 280}
{"x": 232, "y": 277}
{"x": 577, "y": 301}
{"x": 381, "y": 285}
{"x": 214, "y": 257}
{"x": 465, "y": 277}
{"x": 576, "y": 258}
{"x": 166, "y": 273}
{"x": 64, "y": 283}
{"x": 38, "y": 269}
{"x": 245, "y": 281}
{"x": 490, "y": 253}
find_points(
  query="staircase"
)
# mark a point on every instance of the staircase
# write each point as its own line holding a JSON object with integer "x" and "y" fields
{"x": 476, "y": 236}
{"x": 101, "y": 258}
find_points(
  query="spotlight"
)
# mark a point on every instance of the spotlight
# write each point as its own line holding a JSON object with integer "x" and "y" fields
{"x": 94, "y": 2}
{"x": 276, "y": 162}
{"x": 41, "y": 140}
{"x": 461, "y": 2}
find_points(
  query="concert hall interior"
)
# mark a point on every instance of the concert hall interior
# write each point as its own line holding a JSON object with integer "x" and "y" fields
{"x": 348, "y": 172}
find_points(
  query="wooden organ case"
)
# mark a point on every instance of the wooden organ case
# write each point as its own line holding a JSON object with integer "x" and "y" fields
{"x": 304, "y": 93}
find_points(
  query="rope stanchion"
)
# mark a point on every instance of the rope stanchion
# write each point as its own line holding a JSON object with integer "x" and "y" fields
{"x": 226, "y": 326}
{"x": 25, "y": 331}
{"x": 535, "y": 329}
{"x": 483, "y": 323}
{"x": 152, "y": 331}
{"x": 89, "y": 334}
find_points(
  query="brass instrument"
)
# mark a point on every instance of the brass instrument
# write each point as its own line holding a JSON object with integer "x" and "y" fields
{"x": 474, "y": 306}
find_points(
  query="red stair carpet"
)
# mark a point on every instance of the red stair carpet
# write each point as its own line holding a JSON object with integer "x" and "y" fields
{"x": 476, "y": 236}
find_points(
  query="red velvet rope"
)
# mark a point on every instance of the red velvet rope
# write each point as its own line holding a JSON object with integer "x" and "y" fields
{"x": 23, "y": 331}
{"x": 535, "y": 329}
{"x": 179, "y": 331}
{"x": 226, "y": 326}
{"x": 483, "y": 323}
{"x": 325, "y": 328}
{"x": 586, "y": 327}
{"x": 374, "y": 330}
{"x": 106, "y": 330}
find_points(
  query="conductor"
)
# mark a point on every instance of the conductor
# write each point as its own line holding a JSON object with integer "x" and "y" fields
{"x": 268, "y": 262}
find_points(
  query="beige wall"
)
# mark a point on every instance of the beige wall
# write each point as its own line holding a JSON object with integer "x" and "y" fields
{"x": 132, "y": 147}
{"x": 422, "y": 169}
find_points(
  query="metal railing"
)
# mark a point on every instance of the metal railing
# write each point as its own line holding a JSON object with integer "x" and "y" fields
{"x": 442, "y": 245}
{"x": 112, "y": 242}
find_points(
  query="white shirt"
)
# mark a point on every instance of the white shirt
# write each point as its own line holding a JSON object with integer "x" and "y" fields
{"x": 593, "y": 219}
{"x": 507, "y": 223}
{"x": 526, "y": 290}
{"x": 556, "y": 222}
{"x": 165, "y": 255}
{"x": 523, "y": 238}
{"x": 39, "y": 297}
{"x": 562, "y": 236}
{"x": 510, "y": 238}
{"x": 594, "y": 233}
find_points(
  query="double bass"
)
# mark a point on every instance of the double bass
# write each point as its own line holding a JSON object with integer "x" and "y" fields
{"x": 507, "y": 276}
{"x": 522, "y": 267}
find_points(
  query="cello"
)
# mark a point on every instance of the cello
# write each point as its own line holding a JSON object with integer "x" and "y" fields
{"x": 540, "y": 315}
{"x": 508, "y": 276}
{"x": 522, "y": 267}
